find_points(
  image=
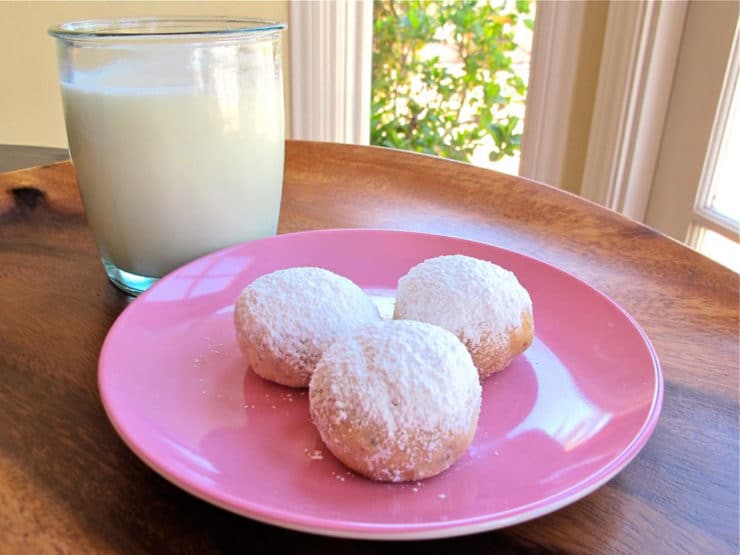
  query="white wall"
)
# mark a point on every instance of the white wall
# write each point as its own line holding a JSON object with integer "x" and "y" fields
{"x": 30, "y": 103}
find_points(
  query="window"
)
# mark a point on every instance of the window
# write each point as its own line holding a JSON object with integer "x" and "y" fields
{"x": 716, "y": 218}
{"x": 695, "y": 193}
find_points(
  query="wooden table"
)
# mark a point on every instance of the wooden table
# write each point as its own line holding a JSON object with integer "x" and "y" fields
{"x": 68, "y": 483}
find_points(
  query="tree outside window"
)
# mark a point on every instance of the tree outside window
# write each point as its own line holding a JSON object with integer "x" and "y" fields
{"x": 448, "y": 77}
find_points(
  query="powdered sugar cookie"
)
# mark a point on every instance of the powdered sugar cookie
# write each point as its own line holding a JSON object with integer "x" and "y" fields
{"x": 396, "y": 400}
{"x": 285, "y": 320}
{"x": 483, "y": 304}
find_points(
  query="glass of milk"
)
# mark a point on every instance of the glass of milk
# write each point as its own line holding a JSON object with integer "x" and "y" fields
{"x": 176, "y": 133}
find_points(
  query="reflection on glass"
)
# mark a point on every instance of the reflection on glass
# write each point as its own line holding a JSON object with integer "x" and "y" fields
{"x": 227, "y": 84}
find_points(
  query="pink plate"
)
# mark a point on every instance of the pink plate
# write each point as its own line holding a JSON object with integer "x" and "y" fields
{"x": 562, "y": 420}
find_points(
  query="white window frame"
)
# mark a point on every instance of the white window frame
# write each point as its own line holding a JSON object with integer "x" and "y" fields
{"x": 641, "y": 48}
{"x": 704, "y": 215}
{"x": 552, "y": 76}
{"x": 331, "y": 60}
{"x": 702, "y": 64}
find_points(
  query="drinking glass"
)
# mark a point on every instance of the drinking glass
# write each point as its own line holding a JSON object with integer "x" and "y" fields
{"x": 176, "y": 133}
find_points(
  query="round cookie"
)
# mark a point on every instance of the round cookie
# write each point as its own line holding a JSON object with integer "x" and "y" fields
{"x": 285, "y": 320}
{"x": 483, "y": 304}
{"x": 396, "y": 400}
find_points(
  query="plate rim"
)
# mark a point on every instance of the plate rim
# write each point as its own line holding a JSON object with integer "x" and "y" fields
{"x": 334, "y": 527}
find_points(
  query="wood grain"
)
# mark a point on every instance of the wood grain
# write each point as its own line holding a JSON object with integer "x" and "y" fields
{"x": 68, "y": 484}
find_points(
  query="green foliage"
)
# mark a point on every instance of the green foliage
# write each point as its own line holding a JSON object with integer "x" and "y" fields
{"x": 426, "y": 106}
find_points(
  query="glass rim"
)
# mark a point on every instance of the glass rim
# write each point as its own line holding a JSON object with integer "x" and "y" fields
{"x": 164, "y": 27}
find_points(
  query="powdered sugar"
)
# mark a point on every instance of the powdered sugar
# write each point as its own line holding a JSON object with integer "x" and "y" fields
{"x": 403, "y": 374}
{"x": 411, "y": 387}
{"x": 314, "y": 454}
{"x": 467, "y": 296}
{"x": 302, "y": 310}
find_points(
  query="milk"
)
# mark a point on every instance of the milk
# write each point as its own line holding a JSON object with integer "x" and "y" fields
{"x": 169, "y": 172}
